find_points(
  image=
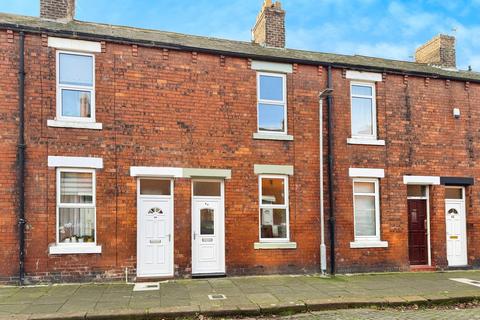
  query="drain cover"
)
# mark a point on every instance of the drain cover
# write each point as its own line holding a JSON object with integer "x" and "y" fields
{"x": 146, "y": 286}
{"x": 217, "y": 296}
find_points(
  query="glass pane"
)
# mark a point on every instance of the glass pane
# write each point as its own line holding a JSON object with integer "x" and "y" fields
{"x": 76, "y": 103}
{"x": 274, "y": 223}
{"x": 364, "y": 187}
{"x": 207, "y": 188}
{"x": 207, "y": 221}
{"x": 76, "y": 187}
{"x": 76, "y": 225}
{"x": 416, "y": 191}
{"x": 361, "y": 90}
{"x": 365, "y": 224}
{"x": 271, "y": 88}
{"x": 362, "y": 116}
{"x": 453, "y": 193}
{"x": 273, "y": 191}
{"x": 155, "y": 187}
{"x": 271, "y": 117}
{"x": 76, "y": 70}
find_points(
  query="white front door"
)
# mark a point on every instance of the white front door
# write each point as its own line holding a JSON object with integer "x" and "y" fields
{"x": 456, "y": 233}
{"x": 154, "y": 235}
{"x": 208, "y": 229}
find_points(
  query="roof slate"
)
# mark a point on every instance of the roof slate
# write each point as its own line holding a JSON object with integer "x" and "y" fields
{"x": 239, "y": 48}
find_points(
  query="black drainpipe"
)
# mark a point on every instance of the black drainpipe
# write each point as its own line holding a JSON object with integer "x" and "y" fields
{"x": 21, "y": 159}
{"x": 331, "y": 202}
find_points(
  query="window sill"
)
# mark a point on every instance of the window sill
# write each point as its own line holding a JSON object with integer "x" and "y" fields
{"x": 274, "y": 245}
{"x": 74, "y": 249}
{"x": 372, "y": 142}
{"x": 73, "y": 124}
{"x": 368, "y": 244}
{"x": 272, "y": 136}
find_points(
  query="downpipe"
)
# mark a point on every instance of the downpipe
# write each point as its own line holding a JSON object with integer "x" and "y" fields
{"x": 323, "y": 247}
{"x": 21, "y": 159}
{"x": 331, "y": 201}
{"x": 326, "y": 93}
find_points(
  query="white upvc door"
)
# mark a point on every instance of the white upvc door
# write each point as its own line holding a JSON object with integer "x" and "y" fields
{"x": 208, "y": 235}
{"x": 155, "y": 237}
{"x": 456, "y": 232}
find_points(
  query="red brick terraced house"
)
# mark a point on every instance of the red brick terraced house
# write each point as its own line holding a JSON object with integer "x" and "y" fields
{"x": 147, "y": 154}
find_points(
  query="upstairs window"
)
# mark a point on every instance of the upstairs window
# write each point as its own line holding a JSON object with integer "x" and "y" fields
{"x": 272, "y": 104}
{"x": 363, "y": 110}
{"x": 75, "y": 86}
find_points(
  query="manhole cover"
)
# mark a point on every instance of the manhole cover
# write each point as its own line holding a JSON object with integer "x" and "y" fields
{"x": 146, "y": 286}
{"x": 217, "y": 296}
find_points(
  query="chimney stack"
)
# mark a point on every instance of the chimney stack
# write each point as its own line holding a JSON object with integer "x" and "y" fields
{"x": 439, "y": 51}
{"x": 59, "y": 10}
{"x": 269, "y": 28}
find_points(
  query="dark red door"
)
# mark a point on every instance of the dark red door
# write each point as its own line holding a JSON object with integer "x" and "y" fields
{"x": 417, "y": 232}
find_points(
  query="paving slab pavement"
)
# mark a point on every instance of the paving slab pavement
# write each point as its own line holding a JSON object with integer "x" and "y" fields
{"x": 244, "y": 296}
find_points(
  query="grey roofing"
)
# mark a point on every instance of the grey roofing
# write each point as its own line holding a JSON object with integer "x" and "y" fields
{"x": 228, "y": 47}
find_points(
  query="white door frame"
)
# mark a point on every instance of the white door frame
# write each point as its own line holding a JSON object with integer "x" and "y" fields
{"x": 426, "y": 197}
{"x": 222, "y": 215}
{"x": 463, "y": 205}
{"x": 170, "y": 197}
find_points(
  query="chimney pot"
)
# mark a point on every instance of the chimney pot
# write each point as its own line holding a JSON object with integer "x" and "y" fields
{"x": 439, "y": 51}
{"x": 58, "y": 10}
{"x": 269, "y": 28}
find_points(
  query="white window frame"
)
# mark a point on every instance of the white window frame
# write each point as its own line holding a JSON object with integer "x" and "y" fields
{"x": 208, "y": 180}
{"x": 92, "y": 205}
{"x": 273, "y": 206}
{"x": 60, "y": 87}
{"x": 371, "y": 85}
{"x": 376, "y": 194}
{"x": 456, "y": 187}
{"x": 139, "y": 182}
{"x": 272, "y": 102}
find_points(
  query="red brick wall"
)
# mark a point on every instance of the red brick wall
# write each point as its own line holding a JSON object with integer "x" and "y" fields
{"x": 178, "y": 109}
{"x": 8, "y": 143}
{"x": 167, "y": 109}
{"x": 415, "y": 118}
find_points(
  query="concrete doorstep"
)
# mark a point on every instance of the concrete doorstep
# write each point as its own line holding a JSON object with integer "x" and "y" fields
{"x": 237, "y": 296}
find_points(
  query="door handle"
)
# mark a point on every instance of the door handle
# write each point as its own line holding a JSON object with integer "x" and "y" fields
{"x": 169, "y": 237}
{"x": 194, "y": 235}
